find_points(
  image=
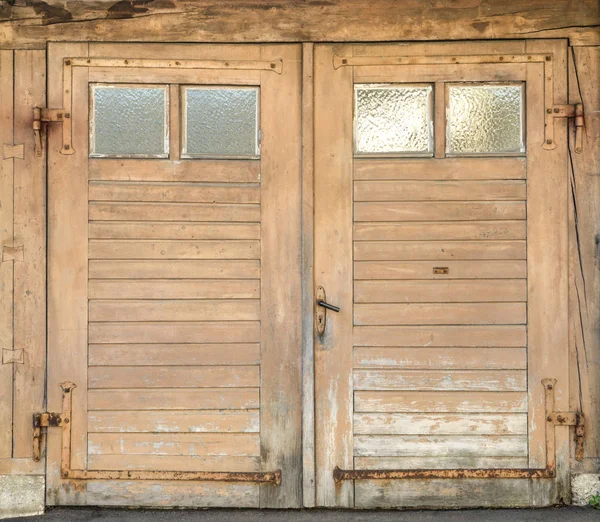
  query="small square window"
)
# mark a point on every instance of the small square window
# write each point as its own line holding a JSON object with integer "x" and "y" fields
{"x": 393, "y": 119}
{"x": 129, "y": 121}
{"x": 221, "y": 122}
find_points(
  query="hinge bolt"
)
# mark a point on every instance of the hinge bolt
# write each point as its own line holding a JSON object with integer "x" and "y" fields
{"x": 549, "y": 111}
{"x": 549, "y": 419}
{"x": 549, "y": 142}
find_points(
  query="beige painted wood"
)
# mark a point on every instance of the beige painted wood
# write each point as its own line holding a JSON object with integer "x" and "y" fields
{"x": 380, "y": 268}
{"x": 6, "y": 268}
{"x": 30, "y": 274}
{"x": 160, "y": 230}
{"x": 24, "y": 466}
{"x": 173, "y": 269}
{"x": 179, "y": 76}
{"x": 175, "y": 462}
{"x": 439, "y": 462}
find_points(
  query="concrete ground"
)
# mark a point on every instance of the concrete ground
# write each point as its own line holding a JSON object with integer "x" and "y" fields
{"x": 565, "y": 514}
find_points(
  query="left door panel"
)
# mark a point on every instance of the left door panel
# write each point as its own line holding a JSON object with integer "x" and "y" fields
{"x": 174, "y": 276}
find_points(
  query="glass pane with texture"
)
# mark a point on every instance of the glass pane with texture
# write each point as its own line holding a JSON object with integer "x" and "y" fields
{"x": 393, "y": 119}
{"x": 221, "y": 121}
{"x": 484, "y": 119}
{"x": 129, "y": 121}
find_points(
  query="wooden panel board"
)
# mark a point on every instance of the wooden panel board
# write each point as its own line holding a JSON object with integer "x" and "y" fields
{"x": 438, "y": 462}
{"x": 159, "y": 230}
{"x": 440, "y": 424}
{"x": 174, "y": 377}
{"x": 449, "y": 169}
{"x": 437, "y": 358}
{"x": 175, "y": 462}
{"x": 440, "y": 380}
{"x": 174, "y": 289}
{"x": 383, "y": 267}
{"x": 173, "y": 354}
{"x": 193, "y": 421}
{"x": 174, "y": 269}
{"x": 481, "y": 290}
{"x": 220, "y": 171}
{"x": 439, "y": 190}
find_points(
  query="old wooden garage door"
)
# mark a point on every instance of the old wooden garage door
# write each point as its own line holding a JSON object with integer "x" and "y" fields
{"x": 440, "y": 233}
{"x": 174, "y": 282}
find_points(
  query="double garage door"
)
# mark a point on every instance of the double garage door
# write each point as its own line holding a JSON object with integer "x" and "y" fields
{"x": 206, "y": 202}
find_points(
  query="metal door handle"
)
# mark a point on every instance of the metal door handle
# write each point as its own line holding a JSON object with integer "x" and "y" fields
{"x": 331, "y": 307}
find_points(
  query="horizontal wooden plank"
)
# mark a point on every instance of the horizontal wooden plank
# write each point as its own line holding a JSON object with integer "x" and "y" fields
{"x": 438, "y": 210}
{"x": 175, "y": 332}
{"x": 440, "y": 445}
{"x": 389, "y": 269}
{"x": 207, "y": 249}
{"x": 173, "y": 192}
{"x": 242, "y": 444}
{"x": 440, "y": 313}
{"x": 174, "y": 289}
{"x": 174, "y": 462}
{"x": 440, "y": 424}
{"x": 173, "y": 212}
{"x": 158, "y": 230}
{"x": 440, "y": 250}
{"x": 195, "y": 421}
{"x": 174, "y": 269}
{"x": 174, "y": 310}
{"x": 431, "y": 402}
{"x": 460, "y": 358}
{"x": 481, "y": 290}
{"x": 446, "y": 168}
{"x": 168, "y": 399}
{"x": 221, "y": 171}
{"x": 441, "y": 231}
{"x": 110, "y": 377}
{"x": 173, "y": 354}
{"x": 440, "y": 190}
{"x": 515, "y": 336}
{"x": 440, "y": 380}
{"x": 440, "y": 462}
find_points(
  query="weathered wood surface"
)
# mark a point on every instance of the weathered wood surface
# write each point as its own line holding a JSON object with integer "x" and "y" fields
{"x": 30, "y": 24}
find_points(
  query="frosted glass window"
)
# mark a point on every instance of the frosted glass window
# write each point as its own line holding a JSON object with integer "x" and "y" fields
{"x": 393, "y": 119}
{"x": 129, "y": 121}
{"x": 221, "y": 122}
{"x": 484, "y": 119}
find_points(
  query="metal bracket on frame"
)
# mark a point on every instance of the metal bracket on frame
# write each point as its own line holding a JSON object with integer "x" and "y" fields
{"x": 64, "y": 115}
{"x": 64, "y": 420}
{"x": 552, "y": 419}
{"x": 41, "y": 117}
{"x": 552, "y": 110}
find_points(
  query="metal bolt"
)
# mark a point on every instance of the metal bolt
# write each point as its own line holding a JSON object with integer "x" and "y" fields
{"x": 126, "y": 62}
{"x": 556, "y": 110}
{"x": 344, "y": 61}
{"x": 549, "y": 418}
{"x": 273, "y": 66}
{"x": 549, "y": 386}
{"x": 67, "y": 62}
{"x": 549, "y": 142}
{"x": 549, "y": 111}
{"x": 66, "y": 421}
{"x": 501, "y": 58}
{"x": 548, "y": 58}
{"x": 67, "y": 147}
{"x": 67, "y": 114}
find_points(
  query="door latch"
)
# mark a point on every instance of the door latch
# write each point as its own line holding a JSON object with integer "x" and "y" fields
{"x": 321, "y": 310}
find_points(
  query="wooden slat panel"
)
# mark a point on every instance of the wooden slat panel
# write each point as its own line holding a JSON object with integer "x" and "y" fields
{"x": 174, "y": 421}
{"x": 179, "y": 310}
{"x": 198, "y": 399}
{"x": 439, "y": 445}
{"x": 175, "y": 462}
{"x": 436, "y": 358}
{"x": 174, "y": 377}
{"x": 175, "y": 332}
{"x": 173, "y": 192}
{"x": 221, "y": 171}
{"x": 440, "y": 380}
{"x": 440, "y": 336}
{"x": 438, "y": 210}
{"x": 242, "y": 444}
{"x": 440, "y": 291}
{"x": 441, "y": 250}
{"x": 125, "y": 249}
{"x": 439, "y": 462}
{"x": 174, "y": 289}
{"x": 455, "y": 402}
{"x": 439, "y": 190}
{"x": 173, "y": 354}
{"x": 173, "y": 212}
{"x": 479, "y": 230}
{"x": 424, "y": 269}
{"x": 440, "y": 424}
{"x": 158, "y": 230}
{"x": 175, "y": 269}
{"x": 443, "y": 313}
{"x": 449, "y": 168}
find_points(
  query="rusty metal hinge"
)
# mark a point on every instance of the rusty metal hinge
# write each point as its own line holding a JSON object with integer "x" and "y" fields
{"x": 571, "y": 111}
{"x": 576, "y": 419}
{"x": 41, "y": 117}
{"x": 44, "y": 420}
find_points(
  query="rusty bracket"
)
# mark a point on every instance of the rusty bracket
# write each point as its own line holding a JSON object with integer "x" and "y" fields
{"x": 552, "y": 419}
{"x": 571, "y": 111}
{"x": 63, "y": 420}
{"x": 41, "y": 117}
{"x": 576, "y": 419}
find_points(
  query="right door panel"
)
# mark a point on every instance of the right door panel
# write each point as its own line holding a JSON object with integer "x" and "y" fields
{"x": 440, "y": 232}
